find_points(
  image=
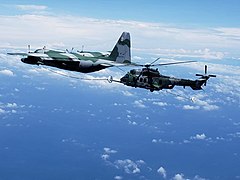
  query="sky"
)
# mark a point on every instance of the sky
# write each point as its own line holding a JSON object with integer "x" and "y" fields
{"x": 200, "y": 13}
{"x": 200, "y": 29}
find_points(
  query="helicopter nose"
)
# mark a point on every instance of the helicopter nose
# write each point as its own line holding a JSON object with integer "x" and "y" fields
{"x": 123, "y": 80}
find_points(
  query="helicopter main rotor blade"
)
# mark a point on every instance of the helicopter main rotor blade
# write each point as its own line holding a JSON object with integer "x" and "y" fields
{"x": 166, "y": 64}
{"x": 211, "y": 75}
{"x": 154, "y": 61}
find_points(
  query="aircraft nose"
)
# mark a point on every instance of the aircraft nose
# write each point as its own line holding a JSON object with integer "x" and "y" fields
{"x": 23, "y": 60}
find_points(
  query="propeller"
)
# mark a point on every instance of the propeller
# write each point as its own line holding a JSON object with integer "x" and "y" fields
{"x": 29, "y": 49}
{"x": 82, "y": 48}
{"x": 44, "y": 48}
{"x": 205, "y": 76}
{"x": 70, "y": 51}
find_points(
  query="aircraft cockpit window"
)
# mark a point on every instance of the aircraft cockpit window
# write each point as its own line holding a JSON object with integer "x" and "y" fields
{"x": 39, "y": 51}
{"x": 145, "y": 73}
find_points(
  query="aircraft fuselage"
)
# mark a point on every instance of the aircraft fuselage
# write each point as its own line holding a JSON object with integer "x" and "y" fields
{"x": 78, "y": 66}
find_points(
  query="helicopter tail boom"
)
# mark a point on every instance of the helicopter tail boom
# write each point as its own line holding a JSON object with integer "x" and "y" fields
{"x": 197, "y": 85}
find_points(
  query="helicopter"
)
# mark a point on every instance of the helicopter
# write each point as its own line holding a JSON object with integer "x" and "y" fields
{"x": 151, "y": 79}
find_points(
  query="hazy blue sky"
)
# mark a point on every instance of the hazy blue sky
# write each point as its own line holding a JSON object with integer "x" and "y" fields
{"x": 204, "y": 12}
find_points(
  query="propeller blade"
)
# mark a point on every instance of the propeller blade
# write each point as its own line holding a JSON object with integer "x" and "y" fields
{"x": 205, "y": 83}
{"x": 199, "y": 75}
{"x": 29, "y": 48}
{"x": 82, "y": 48}
{"x": 205, "y": 69}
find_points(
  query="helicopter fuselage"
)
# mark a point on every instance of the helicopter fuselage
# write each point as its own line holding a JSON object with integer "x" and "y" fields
{"x": 151, "y": 79}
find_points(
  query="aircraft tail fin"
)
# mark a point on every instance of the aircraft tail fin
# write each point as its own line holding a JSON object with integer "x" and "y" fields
{"x": 121, "y": 52}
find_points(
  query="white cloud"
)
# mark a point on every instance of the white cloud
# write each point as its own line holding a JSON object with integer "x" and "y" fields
{"x": 109, "y": 150}
{"x": 204, "y": 53}
{"x": 40, "y": 88}
{"x": 154, "y": 141}
{"x": 160, "y": 103}
{"x": 127, "y": 93}
{"x": 199, "y": 136}
{"x": 211, "y": 107}
{"x": 136, "y": 58}
{"x": 139, "y": 103}
{"x": 231, "y": 32}
{"x": 140, "y": 162}
{"x": 105, "y": 157}
{"x": 179, "y": 177}
{"x": 189, "y": 107}
{"x": 2, "y": 111}
{"x": 132, "y": 122}
{"x": 197, "y": 177}
{"x": 204, "y": 43}
{"x": 118, "y": 177}
{"x": 205, "y": 104}
{"x": 162, "y": 172}
{"x": 31, "y": 7}
{"x": 6, "y": 72}
{"x": 11, "y": 105}
{"x": 128, "y": 165}
{"x": 186, "y": 141}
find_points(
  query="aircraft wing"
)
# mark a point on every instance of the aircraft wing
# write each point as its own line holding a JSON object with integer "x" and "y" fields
{"x": 18, "y": 54}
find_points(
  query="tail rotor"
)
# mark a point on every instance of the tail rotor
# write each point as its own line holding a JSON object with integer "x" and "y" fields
{"x": 205, "y": 76}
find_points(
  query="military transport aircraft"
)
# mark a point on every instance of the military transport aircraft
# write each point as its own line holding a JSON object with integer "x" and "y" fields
{"x": 81, "y": 61}
{"x": 151, "y": 79}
